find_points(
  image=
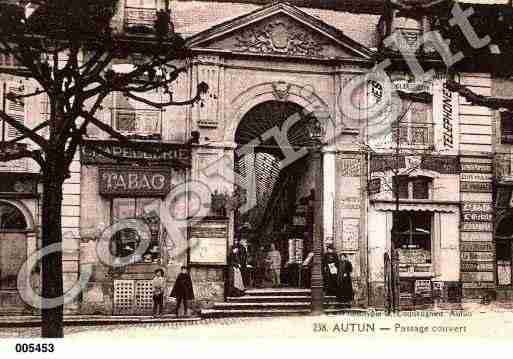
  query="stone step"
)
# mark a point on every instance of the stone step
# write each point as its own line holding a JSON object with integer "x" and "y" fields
{"x": 277, "y": 291}
{"x": 270, "y": 298}
{"x": 215, "y": 313}
{"x": 278, "y": 299}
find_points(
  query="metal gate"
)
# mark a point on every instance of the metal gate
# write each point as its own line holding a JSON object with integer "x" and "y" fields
{"x": 133, "y": 297}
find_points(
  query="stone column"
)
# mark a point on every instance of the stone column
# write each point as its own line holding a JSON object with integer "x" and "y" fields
{"x": 317, "y": 282}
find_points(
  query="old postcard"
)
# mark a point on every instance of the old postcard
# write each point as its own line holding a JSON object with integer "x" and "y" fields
{"x": 260, "y": 169}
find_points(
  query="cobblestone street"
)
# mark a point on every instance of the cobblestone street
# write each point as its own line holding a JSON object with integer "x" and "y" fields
{"x": 34, "y": 332}
{"x": 492, "y": 321}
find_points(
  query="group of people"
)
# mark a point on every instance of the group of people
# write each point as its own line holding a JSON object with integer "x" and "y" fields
{"x": 243, "y": 272}
{"x": 266, "y": 267}
{"x": 182, "y": 291}
{"x": 337, "y": 275}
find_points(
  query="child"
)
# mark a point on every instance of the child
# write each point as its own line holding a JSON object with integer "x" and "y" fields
{"x": 182, "y": 290}
{"x": 159, "y": 283}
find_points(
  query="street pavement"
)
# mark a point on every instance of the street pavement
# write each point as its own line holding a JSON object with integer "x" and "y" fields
{"x": 494, "y": 320}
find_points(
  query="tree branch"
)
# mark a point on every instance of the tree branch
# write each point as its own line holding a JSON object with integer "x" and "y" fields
{"x": 202, "y": 89}
{"x": 24, "y": 130}
{"x": 494, "y": 103}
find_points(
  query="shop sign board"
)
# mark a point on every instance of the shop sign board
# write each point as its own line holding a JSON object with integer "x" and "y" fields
{"x": 476, "y": 187}
{"x": 476, "y": 246}
{"x": 209, "y": 242}
{"x": 478, "y": 285}
{"x": 134, "y": 181}
{"x": 476, "y": 226}
{"x": 423, "y": 287}
{"x": 477, "y": 267}
{"x": 441, "y": 164}
{"x": 476, "y": 236}
{"x": 477, "y": 256}
{"x": 477, "y": 207}
{"x": 477, "y": 277}
{"x": 476, "y": 167}
{"x": 350, "y": 234}
{"x": 477, "y": 217}
{"x": 104, "y": 152}
{"x": 476, "y": 177}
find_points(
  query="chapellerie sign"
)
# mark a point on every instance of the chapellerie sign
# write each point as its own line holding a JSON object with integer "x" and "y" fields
{"x": 146, "y": 181}
{"x": 104, "y": 152}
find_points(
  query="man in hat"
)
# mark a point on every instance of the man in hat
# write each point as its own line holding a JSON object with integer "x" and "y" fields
{"x": 331, "y": 270}
{"x": 182, "y": 290}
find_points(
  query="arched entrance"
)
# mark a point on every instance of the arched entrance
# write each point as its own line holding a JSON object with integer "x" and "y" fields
{"x": 277, "y": 178}
{"x": 13, "y": 254}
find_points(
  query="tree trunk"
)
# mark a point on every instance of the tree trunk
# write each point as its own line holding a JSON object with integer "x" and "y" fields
{"x": 51, "y": 264}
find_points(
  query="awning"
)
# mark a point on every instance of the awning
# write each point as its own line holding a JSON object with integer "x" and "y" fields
{"x": 410, "y": 206}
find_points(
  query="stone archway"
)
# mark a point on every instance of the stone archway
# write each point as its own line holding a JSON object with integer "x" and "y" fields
{"x": 303, "y": 96}
{"x": 276, "y": 178}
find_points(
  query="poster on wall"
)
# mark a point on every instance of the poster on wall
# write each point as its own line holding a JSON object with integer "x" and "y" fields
{"x": 209, "y": 242}
{"x": 350, "y": 234}
{"x": 445, "y": 117}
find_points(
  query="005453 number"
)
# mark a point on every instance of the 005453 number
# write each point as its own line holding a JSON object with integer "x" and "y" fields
{"x": 34, "y": 348}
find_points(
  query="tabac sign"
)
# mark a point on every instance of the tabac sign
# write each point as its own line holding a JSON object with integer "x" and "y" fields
{"x": 133, "y": 181}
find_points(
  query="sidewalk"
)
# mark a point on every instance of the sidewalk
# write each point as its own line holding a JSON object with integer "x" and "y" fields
{"x": 32, "y": 321}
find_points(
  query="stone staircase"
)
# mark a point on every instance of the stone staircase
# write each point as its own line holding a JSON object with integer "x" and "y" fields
{"x": 271, "y": 302}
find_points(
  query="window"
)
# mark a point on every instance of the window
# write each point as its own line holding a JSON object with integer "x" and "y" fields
{"x": 13, "y": 245}
{"x": 14, "y": 108}
{"x": 125, "y": 242}
{"x": 413, "y": 187}
{"x": 412, "y": 237}
{"x": 133, "y": 121}
{"x": 416, "y": 129}
{"x": 140, "y": 16}
{"x": 506, "y": 127}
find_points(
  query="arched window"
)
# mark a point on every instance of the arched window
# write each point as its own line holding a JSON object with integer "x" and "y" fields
{"x": 11, "y": 218}
{"x": 13, "y": 244}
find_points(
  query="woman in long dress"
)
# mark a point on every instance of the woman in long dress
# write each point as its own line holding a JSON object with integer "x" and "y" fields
{"x": 236, "y": 285}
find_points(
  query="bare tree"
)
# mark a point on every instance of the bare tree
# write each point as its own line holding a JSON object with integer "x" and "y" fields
{"x": 67, "y": 47}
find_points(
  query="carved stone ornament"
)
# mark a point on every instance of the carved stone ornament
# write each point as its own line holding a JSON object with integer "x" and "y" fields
{"x": 281, "y": 90}
{"x": 278, "y": 37}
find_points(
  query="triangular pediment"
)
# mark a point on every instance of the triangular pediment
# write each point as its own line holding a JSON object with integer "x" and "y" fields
{"x": 279, "y": 30}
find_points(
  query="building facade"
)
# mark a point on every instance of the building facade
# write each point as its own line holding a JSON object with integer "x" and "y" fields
{"x": 420, "y": 190}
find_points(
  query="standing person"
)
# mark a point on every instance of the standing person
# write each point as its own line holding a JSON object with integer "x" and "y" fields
{"x": 243, "y": 255}
{"x": 158, "y": 284}
{"x": 260, "y": 267}
{"x": 236, "y": 284}
{"x": 331, "y": 269}
{"x": 182, "y": 290}
{"x": 346, "y": 284}
{"x": 274, "y": 259}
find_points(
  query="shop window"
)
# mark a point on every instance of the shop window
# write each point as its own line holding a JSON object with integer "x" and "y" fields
{"x": 125, "y": 242}
{"x": 506, "y": 127}
{"x": 504, "y": 251}
{"x": 413, "y": 187}
{"x": 412, "y": 239}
